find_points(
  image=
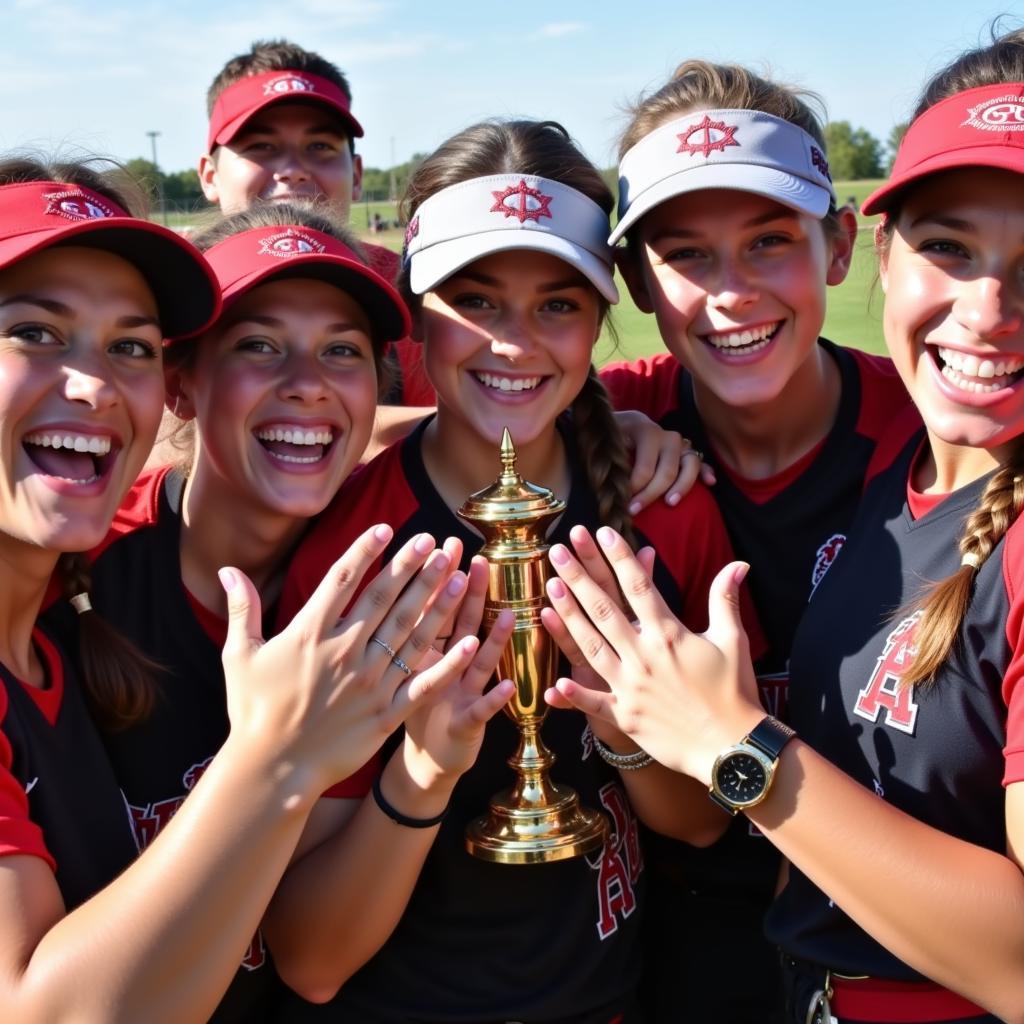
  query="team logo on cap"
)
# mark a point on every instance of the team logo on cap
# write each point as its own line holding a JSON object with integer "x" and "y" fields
{"x": 523, "y": 202}
{"x": 286, "y": 84}
{"x": 412, "y": 230}
{"x": 1002, "y": 114}
{"x": 819, "y": 162}
{"x": 76, "y": 206}
{"x": 707, "y": 137}
{"x": 289, "y": 243}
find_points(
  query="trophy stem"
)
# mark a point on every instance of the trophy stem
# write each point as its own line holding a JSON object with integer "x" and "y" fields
{"x": 535, "y": 821}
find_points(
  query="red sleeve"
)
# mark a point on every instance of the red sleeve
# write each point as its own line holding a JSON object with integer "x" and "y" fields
{"x": 692, "y": 542}
{"x": 1013, "y": 692}
{"x": 650, "y": 385}
{"x": 18, "y": 833}
{"x": 358, "y": 784}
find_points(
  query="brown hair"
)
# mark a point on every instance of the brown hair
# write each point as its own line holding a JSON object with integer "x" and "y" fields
{"x": 545, "y": 149}
{"x": 702, "y": 85}
{"x": 945, "y": 602}
{"x": 276, "y": 55}
{"x": 119, "y": 679}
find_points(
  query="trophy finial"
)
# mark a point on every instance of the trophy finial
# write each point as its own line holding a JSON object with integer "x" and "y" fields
{"x": 508, "y": 456}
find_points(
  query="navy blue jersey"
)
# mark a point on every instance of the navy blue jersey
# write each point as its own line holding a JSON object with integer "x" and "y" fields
{"x": 936, "y": 751}
{"x": 137, "y": 588}
{"x": 490, "y": 942}
{"x": 59, "y": 799}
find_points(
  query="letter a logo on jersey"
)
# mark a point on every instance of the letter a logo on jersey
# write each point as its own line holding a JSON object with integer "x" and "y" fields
{"x": 884, "y": 691}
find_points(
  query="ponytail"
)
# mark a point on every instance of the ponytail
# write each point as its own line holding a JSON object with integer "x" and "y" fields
{"x": 604, "y": 454}
{"x": 945, "y": 603}
{"x": 119, "y": 679}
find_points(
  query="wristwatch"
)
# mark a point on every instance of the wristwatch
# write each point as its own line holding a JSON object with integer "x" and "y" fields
{"x": 742, "y": 775}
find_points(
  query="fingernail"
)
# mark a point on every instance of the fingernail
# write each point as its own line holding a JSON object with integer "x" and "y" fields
{"x": 635, "y": 508}
{"x": 456, "y": 584}
{"x": 741, "y": 572}
{"x": 424, "y": 543}
{"x": 441, "y": 562}
{"x": 382, "y": 532}
{"x": 672, "y": 499}
{"x": 227, "y": 579}
{"x": 605, "y": 537}
{"x": 556, "y": 589}
{"x": 559, "y": 555}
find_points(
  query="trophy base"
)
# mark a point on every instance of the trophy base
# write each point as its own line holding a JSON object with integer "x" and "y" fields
{"x": 536, "y": 835}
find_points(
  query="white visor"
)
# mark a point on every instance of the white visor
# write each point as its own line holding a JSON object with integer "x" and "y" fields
{"x": 739, "y": 149}
{"x": 481, "y": 216}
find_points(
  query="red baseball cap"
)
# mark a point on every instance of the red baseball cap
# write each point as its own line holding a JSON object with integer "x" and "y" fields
{"x": 981, "y": 127}
{"x": 240, "y": 100}
{"x": 260, "y": 254}
{"x": 35, "y": 215}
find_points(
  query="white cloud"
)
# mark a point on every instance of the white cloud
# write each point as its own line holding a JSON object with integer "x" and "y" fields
{"x": 557, "y": 29}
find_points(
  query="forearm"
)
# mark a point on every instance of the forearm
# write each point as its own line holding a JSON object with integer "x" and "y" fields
{"x": 674, "y": 805}
{"x": 365, "y": 873}
{"x": 952, "y": 910}
{"x": 162, "y": 942}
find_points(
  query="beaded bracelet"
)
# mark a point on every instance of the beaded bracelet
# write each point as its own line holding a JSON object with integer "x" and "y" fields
{"x": 403, "y": 819}
{"x": 624, "y": 762}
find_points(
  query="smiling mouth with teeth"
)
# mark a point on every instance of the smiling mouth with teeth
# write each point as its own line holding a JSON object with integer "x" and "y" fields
{"x": 982, "y": 376}
{"x": 499, "y": 383}
{"x": 76, "y": 458}
{"x": 745, "y": 342}
{"x": 290, "y": 443}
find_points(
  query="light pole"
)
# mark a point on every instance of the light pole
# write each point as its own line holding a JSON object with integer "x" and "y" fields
{"x": 159, "y": 179}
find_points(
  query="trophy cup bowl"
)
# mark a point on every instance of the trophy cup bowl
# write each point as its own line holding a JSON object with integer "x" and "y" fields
{"x": 536, "y": 820}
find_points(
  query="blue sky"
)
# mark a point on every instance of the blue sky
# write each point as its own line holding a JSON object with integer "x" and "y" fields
{"x": 99, "y": 76}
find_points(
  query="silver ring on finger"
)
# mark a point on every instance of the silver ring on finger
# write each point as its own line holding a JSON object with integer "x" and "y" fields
{"x": 396, "y": 660}
{"x": 392, "y": 653}
{"x": 694, "y": 451}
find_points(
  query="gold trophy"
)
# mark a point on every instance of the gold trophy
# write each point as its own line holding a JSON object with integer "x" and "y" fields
{"x": 534, "y": 821}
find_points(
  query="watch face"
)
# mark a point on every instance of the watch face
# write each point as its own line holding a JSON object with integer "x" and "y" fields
{"x": 741, "y": 778}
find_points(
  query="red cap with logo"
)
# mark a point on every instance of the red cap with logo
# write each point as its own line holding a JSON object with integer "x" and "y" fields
{"x": 35, "y": 215}
{"x": 981, "y": 127}
{"x": 260, "y": 254}
{"x": 240, "y": 100}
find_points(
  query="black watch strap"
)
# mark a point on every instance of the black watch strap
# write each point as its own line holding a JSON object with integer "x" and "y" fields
{"x": 770, "y": 736}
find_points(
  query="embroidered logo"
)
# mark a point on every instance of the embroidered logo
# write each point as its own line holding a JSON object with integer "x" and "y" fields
{"x": 1002, "y": 114}
{"x": 523, "y": 202}
{"x": 819, "y": 162}
{"x": 287, "y": 83}
{"x": 412, "y": 230}
{"x": 824, "y": 557}
{"x": 884, "y": 690}
{"x": 293, "y": 242}
{"x": 76, "y": 206}
{"x": 711, "y": 137}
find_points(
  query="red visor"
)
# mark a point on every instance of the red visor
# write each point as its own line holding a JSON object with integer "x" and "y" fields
{"x": 975, "y": 128}
{"x": 251, "y": 257}
{"x": 37, "y": 214}
{"x": 240, "y": 100}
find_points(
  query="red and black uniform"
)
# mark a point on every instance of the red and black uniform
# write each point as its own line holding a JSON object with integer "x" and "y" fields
{"x": 789, "y": 528}
{"x": 941, "y": 753}
{"x": 412, "y": 387}
{"x": 59, "y": 798}
{"x": 482, "y": 942}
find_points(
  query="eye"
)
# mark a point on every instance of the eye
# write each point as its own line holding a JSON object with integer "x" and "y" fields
{"x": 472, "y": 300}
{"x": 324, "y": 146}
{"x": 561, "y": 306}
{"x": 34, "y": 334}
{"x": 771, "y": 240}
{"x": 682, "y": 254}
{"x": 256, "y": 345}
{"x": 135, "y": 348}
{"x": 346, "y": 350}
{"x": 943, "y": 247}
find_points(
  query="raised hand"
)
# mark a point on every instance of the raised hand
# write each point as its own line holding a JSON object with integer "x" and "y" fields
{"x": 681, "y": 696}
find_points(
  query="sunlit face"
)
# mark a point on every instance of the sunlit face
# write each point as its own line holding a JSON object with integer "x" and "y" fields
{"x": 737, "y": 283}
{"x": 81, "y": 392}
{"x": 953, "y": 278}
{"x": 509, "y": 342}
{"x": 284, "y": 392}
{"x": 286, "y": 151}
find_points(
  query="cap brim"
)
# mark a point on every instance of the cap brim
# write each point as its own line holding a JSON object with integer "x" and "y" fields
{"x": 186, "y": 291}
{"x": 388, "y": 314}
{"x": 788, "y": 189}
{"x": 231, "y": 128}
{"x": 1008, "y": 158}
{"x": 430, "y": 266}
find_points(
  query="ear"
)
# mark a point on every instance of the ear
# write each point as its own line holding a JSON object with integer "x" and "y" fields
{"x": 357, "y": 177}
{"x": 883, "y": 254}
{"x": 627, "y": 261}
{"x": 176, "y": 389}
{"x": 842, "y": 247}
{"x": 208, "y": 178}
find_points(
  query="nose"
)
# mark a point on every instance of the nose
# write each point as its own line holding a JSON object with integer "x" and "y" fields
{"x": 302, "y": 379}
{"x": 291, "y": 166}
{"x": 512, "y": 338}
{"x": 989, "y": 307}
{"x": 733, "y": 287}
{"x": 90, "y": 382}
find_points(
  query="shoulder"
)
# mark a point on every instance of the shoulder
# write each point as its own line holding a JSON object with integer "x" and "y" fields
{"x": 882, "y": 393}
{"x": 650, "y": 384}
